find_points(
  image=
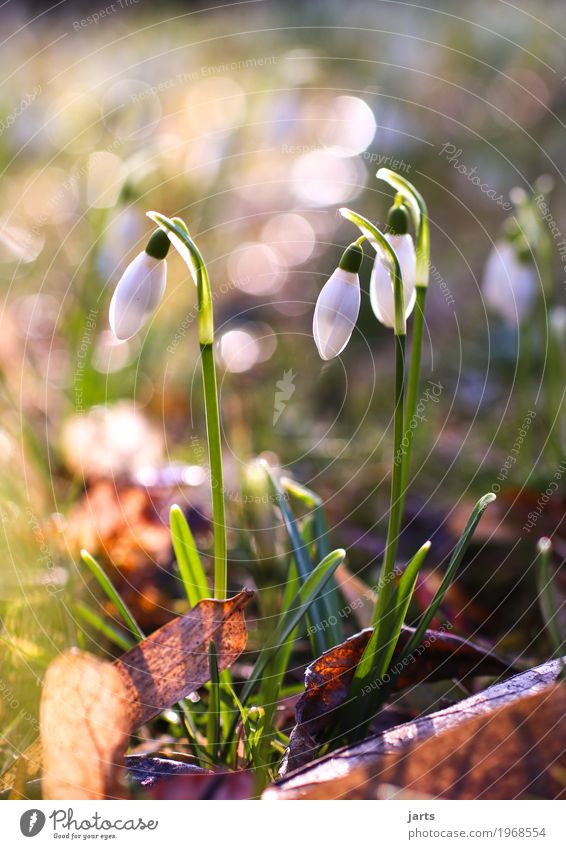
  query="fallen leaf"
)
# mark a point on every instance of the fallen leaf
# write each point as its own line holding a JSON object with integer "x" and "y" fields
{"x": 89, "y": 706}
{"x": 502, "y": 743}
{"x": 84, "y": 728}
{"x": 147, "y": 771}
{"x": 328, "y": 679}
{"x": 221, "y": 786}
{"x": 173, "y": 661}
{"x": 122, "y": 522}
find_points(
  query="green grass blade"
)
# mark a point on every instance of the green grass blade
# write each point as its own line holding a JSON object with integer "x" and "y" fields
{"x": 453, "y": 565}
{"x": 321, "y": 611}
{"x": 190, "y": 566}
{"x": 112, "y": 593}
{"x": 300, "y": 548}
{"x": 95, "y": 621}
{"x": 547, "y": 596}
{"x": 299, "y": 607}
{"x": 213, "y": 718}
{"x": 379, "y": 650}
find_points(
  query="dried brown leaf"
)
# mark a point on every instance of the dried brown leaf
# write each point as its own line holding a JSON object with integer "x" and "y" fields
{"x": 173, "y": 661}
{"x": 89, "y": 706}
{"x": 328, "y": 679}
{"x": 502, "y": 743}
{"x": 84, "y": 726}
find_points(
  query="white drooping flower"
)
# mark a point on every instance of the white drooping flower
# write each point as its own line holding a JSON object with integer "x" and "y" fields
{"x": 509, "y": 285}
{"x": 381, "y": 285}
{"x": 140, "y": 289}
{"x": 338, "y": 306}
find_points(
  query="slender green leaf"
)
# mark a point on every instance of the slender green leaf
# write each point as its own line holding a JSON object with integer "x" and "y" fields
{"x": 112, "y": 593}
{"x": 379, "y": 650}
{"x": 188, "y": 560}
{"x": 213, "y": 719}
{"x": 453, "y": 565}
{"x": 104, "y": 627}
{"x": 322, "y": 612}
{"x": 299, "y": 607}
{"x": 547, "y": 596}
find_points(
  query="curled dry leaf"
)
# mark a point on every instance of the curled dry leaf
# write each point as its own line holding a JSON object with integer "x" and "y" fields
{"x": 146, "y": 770}
{"x": 90, "y": 706}
{"x": 503, "y": 743}
{"x": 222, "y": 786}
{"x": 173, "y": 661}
{"x": 328, "y": 679}
{"x": 84, "y": 728}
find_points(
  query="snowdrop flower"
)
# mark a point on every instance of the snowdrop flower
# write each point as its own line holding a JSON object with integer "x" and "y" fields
{"x": 338, "y": 305}
{"x": 140, "y": 289}
{"x": 509, "y": 283}
{"x": 381, "y": 286}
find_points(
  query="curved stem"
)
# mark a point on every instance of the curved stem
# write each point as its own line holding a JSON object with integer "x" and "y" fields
{"x": 413, "y": 381}
{"x": 417, "y": 205}
{"x": 382, "y": 246}
{"x": 386, "y": 584}
{"x": 212, "y": 414}
{"x": 197, "y": 266}
{"x": 397, "y": 472}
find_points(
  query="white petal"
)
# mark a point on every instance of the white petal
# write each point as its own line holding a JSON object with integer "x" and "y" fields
{"x": 381, "y": 286}
{"x": 509, "y": 286}
{"x": 137, "y": 295}
{"x": 336, "y": 313}
{"x": 405, "y": 250}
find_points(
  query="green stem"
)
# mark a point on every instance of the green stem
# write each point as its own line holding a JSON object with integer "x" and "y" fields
{"x": 417, "y": 205}
{"x": 386, "y": 585}
{"x": 399, "y": 459}
{"x": 547, "y": 599}
{"x": 215, "y": 459}
{"x": 413, "y": 381}
{"x": 198, "y": 269}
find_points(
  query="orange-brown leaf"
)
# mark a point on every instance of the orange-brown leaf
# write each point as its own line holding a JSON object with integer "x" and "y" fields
{"x": 173, "y": 661}
{"x": 84, "y": 725}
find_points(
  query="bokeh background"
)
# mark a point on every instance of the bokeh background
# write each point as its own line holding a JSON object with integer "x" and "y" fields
{"x": 256, "y": 121}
